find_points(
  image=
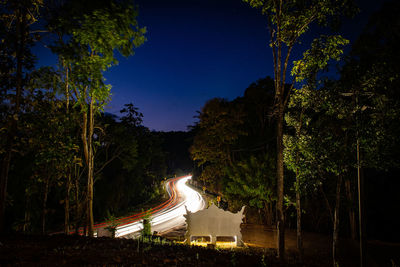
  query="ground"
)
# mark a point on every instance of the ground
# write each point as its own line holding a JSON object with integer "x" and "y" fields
{"x": 260, "y": 250}
{"x": 60, "y": 250}
{"x": 317, "y": 247}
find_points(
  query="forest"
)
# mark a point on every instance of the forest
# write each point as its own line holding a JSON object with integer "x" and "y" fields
{"x": 57, "y": 143}
{"x": 312, "y": 146}
{"x": 334, "y": 133}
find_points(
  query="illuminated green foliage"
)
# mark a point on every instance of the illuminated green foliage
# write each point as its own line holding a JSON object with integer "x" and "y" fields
{"x": 317, "y": 57}
{"x": 287, "y": 22}
{"x": 146, "y": 231}
{"x": 89, "y": 40}
{"x": 252, "y": 182}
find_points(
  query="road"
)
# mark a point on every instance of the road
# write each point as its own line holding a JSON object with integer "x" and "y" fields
{"x": 165, "y": 216}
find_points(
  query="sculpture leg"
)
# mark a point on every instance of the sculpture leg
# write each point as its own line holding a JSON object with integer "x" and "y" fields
{"x": 213, "y": 239}
{"x": 239, "y": 241}
{"x": 188, "y": 239}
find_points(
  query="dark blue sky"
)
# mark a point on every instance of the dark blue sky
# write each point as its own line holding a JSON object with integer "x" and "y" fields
{"x": 196, "y": 50}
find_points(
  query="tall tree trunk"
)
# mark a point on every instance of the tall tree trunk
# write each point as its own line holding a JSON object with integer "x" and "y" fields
{"x": 298, "y": 198}
{"x": 298, "y": 228}
{"x": 27, "y": 216}
{"x": 328, "y": 206}
{"x": 85, "y": 141}
{"x": 69, "y": 170}
{"x": 361, "y": 206}
{"x": 77, "y": 205}
{"x": 5, "y": 166}
{"x": 336, "y": 222}
{"x": 66, "y": 202}
{"x": 352, "y": 215}
{"x": 44, "y": 204}
{"x": 67, "y": 86}
{"x": 273, "y": 214}
{"x": 279, "y": 172}
{"x": 90, "y": 170}
{"x": 268, "y": 214}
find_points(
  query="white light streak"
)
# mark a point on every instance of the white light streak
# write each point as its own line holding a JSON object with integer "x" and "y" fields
{"x": 172, "y": 215}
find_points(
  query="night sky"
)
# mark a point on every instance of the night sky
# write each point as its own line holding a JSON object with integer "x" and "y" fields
{"x": 196, "y": 50}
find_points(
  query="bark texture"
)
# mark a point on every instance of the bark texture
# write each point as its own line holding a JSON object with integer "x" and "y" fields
{"x": 299, "y": 234}
{"x": 279, "y": 172}
{"x": 336, "y": 222}
{"x": 352, "y": 214}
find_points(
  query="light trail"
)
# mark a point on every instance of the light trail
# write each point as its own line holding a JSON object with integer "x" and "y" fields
{"x": 165, "y": 216}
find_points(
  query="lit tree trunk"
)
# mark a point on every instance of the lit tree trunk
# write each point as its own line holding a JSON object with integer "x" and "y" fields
{"x": 352, "y": 215}
{"x": 279, "y": 172}
{"x": 77, "y": 204}
{"x": 299, "y": 231}
{"x": 336, "y": 222}
{"x": 27, "y": 217}
{"x": 268, "y": 214}
{"x": 280, "y": 67}
{"x": 328, "y": 206}
{"x": 361, "y": 203}
{"x": 90, "y": 169}
{"x": 298, "y": 197}
{"x": 69, "y": 170}
{"x": 85, "y": 141}
{"x": 3, "y": 183}
{"x": 66, "y": 86}
{"x": 66, "y": 202}
{"x": 44, "y": 204}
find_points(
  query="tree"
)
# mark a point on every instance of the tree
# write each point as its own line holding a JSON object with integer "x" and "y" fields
{"x": 294, "y": 145}
{"x": 46, "y": 135}
{"x": 319, "y": 147}
{"x": 93, "y": 35}
{"x": 130, "y": 163}
{"x": 254, "y": 153}
{"x": 252, "y": 183}
{"x": 232, "y": 140}
{"x": 287, "y": 22}
{"x": 17, "y": 18}
{"x": 370, "y": 80}
{"x": 218, "y": 129}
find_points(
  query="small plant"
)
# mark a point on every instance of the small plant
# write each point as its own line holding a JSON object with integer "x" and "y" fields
{"x": 233, "y": 259}
{"x": 112, "y": 224}
{"x": 147, "y": 224}
{"x": 263, "y": 263}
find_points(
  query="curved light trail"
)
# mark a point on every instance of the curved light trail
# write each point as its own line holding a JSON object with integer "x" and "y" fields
{"x": 165, "y": 216}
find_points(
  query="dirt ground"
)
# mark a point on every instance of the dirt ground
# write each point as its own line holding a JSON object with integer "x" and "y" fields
{"x": 317, "y": 247}
{"x": 61, "y": 250}
{"x": 378, "y": 253}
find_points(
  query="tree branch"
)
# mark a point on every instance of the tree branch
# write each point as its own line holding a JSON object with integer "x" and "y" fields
{"x": 116, "y": 155}
{"x": 288, "y": 95}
